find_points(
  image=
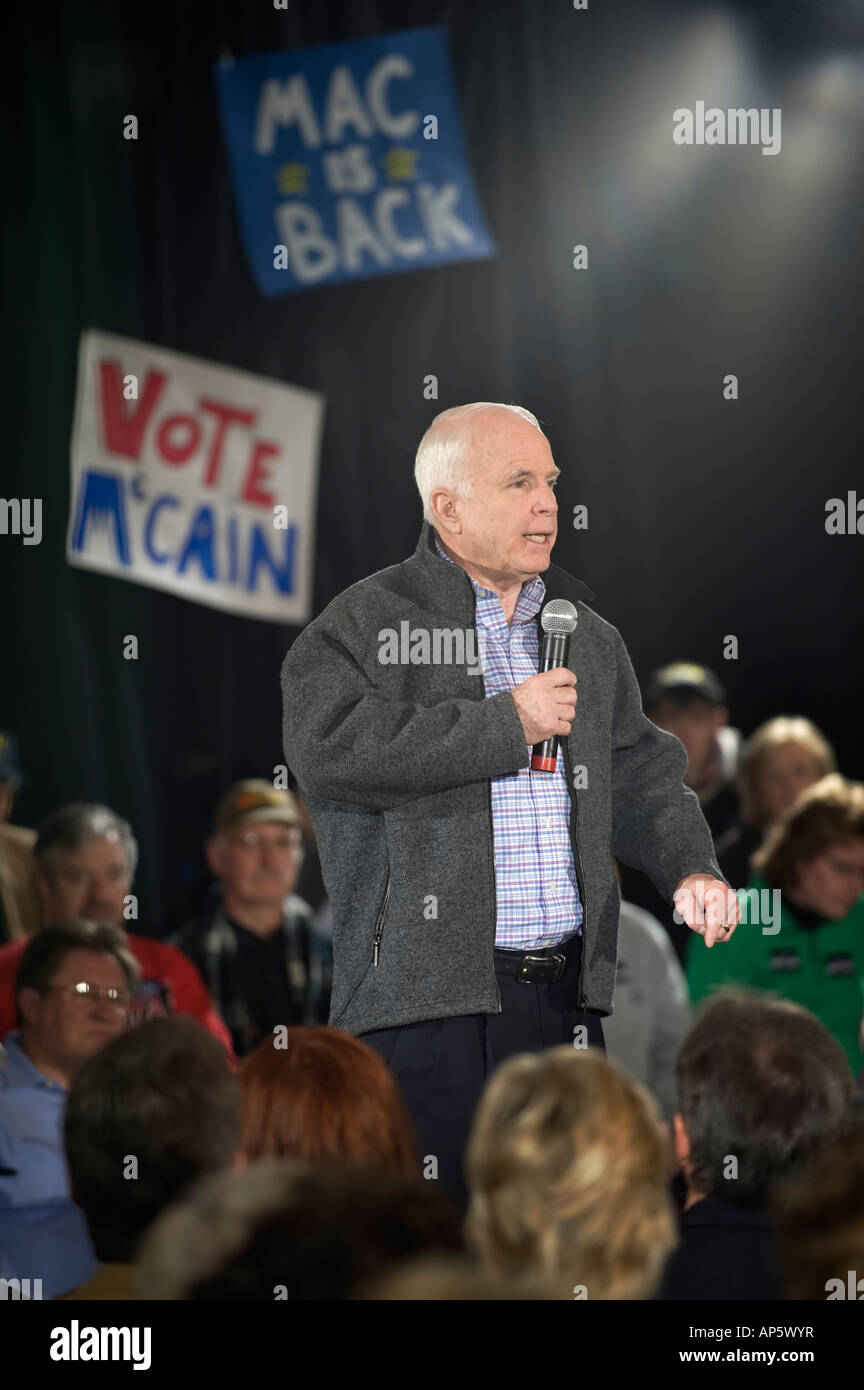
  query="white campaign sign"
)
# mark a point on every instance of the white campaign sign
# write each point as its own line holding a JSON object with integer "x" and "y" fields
{"x": 194, "y": 478}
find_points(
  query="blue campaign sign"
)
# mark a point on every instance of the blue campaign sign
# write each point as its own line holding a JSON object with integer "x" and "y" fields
{"x": 348, "y": 161}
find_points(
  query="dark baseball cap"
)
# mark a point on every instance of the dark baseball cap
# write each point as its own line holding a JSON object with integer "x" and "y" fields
{"x": 687, "y": 677}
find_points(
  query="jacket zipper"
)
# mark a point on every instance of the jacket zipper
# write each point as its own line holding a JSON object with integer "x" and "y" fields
{"x": 379, "y": 925}
{"x": 494, "y": 898}
{"x": 580, "y": 877}
{"x": 491, "y": 847}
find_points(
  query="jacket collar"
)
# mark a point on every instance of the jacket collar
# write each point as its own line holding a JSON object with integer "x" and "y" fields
{"x": 716, "y": 1211}
{"x": 453, "y": 586}
{"x": 221, "y": 937}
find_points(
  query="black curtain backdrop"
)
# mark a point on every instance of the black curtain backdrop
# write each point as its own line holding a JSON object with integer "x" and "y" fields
{"x": 706, "y": 516}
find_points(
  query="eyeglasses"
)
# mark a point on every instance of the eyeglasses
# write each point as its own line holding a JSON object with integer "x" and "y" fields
{"x": 120, "y": 998}
{"x": 250, "y": 839}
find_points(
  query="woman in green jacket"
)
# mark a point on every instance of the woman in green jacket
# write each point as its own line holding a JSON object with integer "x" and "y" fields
{"x": 801, "y": 933}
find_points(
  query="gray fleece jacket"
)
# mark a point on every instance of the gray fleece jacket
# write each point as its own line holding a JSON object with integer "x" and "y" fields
{"x": 395, "y": 761}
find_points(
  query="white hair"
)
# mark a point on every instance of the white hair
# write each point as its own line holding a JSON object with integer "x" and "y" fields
{"x": 443, "y": 453}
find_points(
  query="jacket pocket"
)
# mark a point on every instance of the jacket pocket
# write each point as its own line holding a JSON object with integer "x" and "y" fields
{"x": 379, "y": 925}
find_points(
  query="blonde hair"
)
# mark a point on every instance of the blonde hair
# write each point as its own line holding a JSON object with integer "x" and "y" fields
{"x": 443, "y": 454}
{"x": 569, "y": 1167}
{"x": 773, "y": 734}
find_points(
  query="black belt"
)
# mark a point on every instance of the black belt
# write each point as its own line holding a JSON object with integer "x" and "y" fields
{"x": 533, "y": 967}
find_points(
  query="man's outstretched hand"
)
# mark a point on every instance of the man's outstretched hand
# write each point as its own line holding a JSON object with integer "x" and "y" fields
{"x": 707, "y": 905}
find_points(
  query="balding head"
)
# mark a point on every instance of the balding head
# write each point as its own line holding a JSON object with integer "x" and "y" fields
{"x": 486, "y": 476}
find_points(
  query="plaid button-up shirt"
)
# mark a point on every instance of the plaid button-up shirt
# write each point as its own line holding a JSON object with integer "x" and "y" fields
{"x": 211, "y": 943}
{"x": 535, "y": 878}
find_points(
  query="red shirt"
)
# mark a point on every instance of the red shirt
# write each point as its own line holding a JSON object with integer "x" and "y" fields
{"x": 173, "y": 976}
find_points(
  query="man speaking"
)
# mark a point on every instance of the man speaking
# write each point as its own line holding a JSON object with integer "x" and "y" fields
{"x": 475, "y": 908}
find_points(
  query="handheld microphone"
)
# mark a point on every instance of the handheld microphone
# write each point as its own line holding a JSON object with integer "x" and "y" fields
{"x": 558, "y": 621}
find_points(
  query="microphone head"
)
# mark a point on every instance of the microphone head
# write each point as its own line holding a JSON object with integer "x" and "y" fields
{"x": 559, "y": 615}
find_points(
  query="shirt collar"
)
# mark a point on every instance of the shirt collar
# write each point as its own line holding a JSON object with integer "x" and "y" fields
{"x": 530, "y": 599}
{"x": 17, "y": 1070}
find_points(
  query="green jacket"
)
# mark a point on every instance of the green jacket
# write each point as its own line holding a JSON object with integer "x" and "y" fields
{"x": 820, "y": 967}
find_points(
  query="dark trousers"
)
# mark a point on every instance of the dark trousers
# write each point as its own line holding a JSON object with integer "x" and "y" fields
{"x": 442, "y": 1065}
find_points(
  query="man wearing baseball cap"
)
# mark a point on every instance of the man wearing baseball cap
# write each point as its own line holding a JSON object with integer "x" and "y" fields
{"x": 262, "y": 957}
{"x": 688, "y": 700}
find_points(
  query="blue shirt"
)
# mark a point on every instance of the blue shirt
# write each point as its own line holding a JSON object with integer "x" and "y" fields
{"x": 535, "y": 878}
{"x": 48, "y": 1241}
{"x": 31, "y": 1130}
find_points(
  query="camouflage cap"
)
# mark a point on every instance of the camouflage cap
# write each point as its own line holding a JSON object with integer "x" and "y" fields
{"x": 255, "y": 800}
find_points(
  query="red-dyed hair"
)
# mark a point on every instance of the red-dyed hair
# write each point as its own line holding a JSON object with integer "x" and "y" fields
{"x": 325, "y": 1095}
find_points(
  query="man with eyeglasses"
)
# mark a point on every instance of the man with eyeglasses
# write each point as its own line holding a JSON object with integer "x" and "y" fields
{"x": 263, "y": 959}
{"x": 85, "y": 858}
{"x": 72, "y": 993}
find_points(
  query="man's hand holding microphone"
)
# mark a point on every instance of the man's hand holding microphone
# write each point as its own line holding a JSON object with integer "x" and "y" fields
{"x": 547, "y": 704}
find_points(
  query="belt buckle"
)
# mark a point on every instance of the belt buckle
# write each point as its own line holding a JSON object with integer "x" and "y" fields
{"x": 533, "y": 960}
{"x": 559, "y": 958}
{"x": 528, "y": 959}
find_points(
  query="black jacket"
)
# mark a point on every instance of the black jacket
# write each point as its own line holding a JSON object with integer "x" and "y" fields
{"x": 726, "y": 1252}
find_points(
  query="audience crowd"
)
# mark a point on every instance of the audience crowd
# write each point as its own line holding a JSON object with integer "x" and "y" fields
{"x": 177, "y": 1120}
